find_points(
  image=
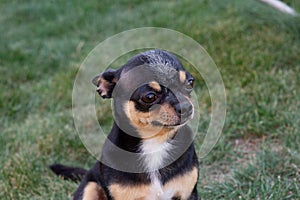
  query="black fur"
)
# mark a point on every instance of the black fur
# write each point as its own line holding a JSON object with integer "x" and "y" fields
{"x": 68, "y": 173}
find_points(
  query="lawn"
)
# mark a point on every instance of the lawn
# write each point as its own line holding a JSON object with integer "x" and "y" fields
{"x": 256, "y": 49}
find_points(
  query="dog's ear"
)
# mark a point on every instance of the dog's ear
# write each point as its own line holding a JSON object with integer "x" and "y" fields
{"x": 106, "y": 82}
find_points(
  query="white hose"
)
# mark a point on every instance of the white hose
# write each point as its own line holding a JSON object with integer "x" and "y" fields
{"x": 281, "y": 6}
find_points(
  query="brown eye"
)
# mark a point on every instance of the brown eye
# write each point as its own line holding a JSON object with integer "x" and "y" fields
{"x": 149, "y": 97}
{"x": 190, "y": 83}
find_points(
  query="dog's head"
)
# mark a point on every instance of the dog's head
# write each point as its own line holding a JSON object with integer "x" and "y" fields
{"x": 151, "y": 93}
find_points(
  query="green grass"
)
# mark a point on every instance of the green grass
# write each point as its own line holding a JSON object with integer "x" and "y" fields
{"x": 256, "y": 48}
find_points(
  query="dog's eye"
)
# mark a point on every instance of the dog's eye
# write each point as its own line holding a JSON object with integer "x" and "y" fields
{"x": 190, "y": 84}
{"x": 149, "y": 97}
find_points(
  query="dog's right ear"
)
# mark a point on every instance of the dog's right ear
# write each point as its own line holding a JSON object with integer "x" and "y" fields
{"x": 106, "y": 82}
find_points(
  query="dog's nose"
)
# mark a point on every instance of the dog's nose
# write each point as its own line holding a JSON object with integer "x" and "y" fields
{"x": 184, "y": 109}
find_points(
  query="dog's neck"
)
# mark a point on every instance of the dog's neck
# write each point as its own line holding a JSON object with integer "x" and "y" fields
{"x": 155, "y": 153}
{"x": 133, "y": 143}
{"x": 152, "y": 154}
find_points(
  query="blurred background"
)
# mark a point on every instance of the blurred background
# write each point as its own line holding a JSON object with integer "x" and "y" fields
{"x": 256, "y": 48}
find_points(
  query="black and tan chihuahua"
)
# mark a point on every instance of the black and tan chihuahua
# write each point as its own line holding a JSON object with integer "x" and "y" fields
{"x": 152, "y": 104}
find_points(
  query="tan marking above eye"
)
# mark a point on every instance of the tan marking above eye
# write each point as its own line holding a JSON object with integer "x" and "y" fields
{"x": 182, "y": 76}
{"x": 155, "y": 85}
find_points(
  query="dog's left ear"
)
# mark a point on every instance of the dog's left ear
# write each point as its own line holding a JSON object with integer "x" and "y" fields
{"x": 106, "y": 82}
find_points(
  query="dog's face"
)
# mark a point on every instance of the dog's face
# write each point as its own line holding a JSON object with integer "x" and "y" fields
{"x": 153, "y": 93}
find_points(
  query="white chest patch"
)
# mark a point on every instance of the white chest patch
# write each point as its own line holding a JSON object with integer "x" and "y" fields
{"x": 154, "y": 155}
{"x": 156, "y": 191}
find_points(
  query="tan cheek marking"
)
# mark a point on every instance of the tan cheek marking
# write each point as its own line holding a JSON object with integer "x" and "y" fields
{"x": 183, "y": 185}
{"x": 142, "y": 121}
{"x": 182, "y": 76}
{"x": 120, "y": 192}
{"x": 93, "y": 191}
{"x": 155, "y": 86}
{"x": 165, "y": 114}
{"x": 137, "y": 118}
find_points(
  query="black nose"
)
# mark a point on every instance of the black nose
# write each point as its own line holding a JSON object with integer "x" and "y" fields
{"x": 184, "y": 109}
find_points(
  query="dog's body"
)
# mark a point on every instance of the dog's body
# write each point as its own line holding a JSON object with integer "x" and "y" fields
{"x": 150, "y": 121}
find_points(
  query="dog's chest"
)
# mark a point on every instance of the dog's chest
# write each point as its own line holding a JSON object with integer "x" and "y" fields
{"x": 154, "y": 155}
{"x": 179, "y": 187}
